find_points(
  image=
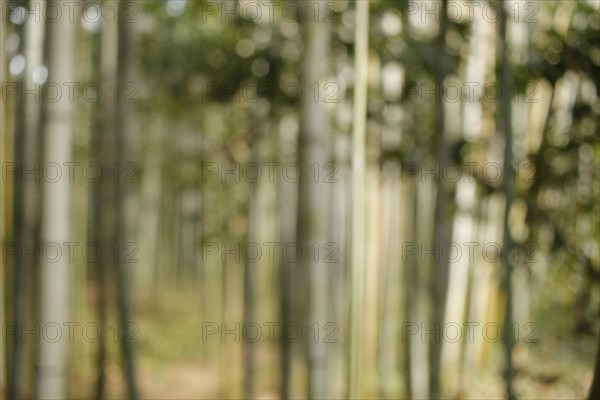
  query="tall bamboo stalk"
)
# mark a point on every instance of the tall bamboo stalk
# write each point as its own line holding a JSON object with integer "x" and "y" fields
{"x": 19, "y": 272}
{"x": 250, "y": 269}
{"x": 444, "y": 209}
{"x": 357, "y": 293}
{"x": 3, "y": 127}
{"x": 504, "y": 122}
{"x": 313, "y": 150}
{"x": 124, "y": 304}
{"x": 58, "y": 130}
{"x": 103, "y": 192}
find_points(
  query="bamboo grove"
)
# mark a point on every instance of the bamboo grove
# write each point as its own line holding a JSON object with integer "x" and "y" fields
{"x": 300, "y": 199}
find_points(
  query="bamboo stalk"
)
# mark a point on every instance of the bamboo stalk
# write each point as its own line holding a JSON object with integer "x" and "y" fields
{"x": 358, "y": 197}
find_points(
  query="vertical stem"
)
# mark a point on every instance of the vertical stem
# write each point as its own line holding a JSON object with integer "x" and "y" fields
{"x": 411, "y": 279}
{"x": 19, "y": 273}
{"x": 288, "y": 206}
{"x": 56, "y": 208}
{"x": 313, "y": 195}
{"x": 505, "y": 125}
{"x": 443, "y": 214}
{"x": 361, "y": 54}
{"x": 120, "y": 143}
{"x": 250, "y": 272}
{"x": 101, "y": 193}
{"x": 3, "y": 277}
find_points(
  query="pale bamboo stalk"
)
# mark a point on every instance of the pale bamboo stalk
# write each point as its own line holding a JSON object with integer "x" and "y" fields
{"x": 54, "y": 277}
{"x": 358, "y": 197}
{"x": 313, "y": 230}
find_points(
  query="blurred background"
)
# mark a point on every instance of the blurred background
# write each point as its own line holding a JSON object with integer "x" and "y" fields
{"x": 300, "y": 199}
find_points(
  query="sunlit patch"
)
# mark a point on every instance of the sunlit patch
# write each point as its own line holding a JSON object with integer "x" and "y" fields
{"x": 17, "y": 65}
{"x": 18, "y": 16}
{"x": 245, "y": 48}
{"x": 91, "y": 18}
{"x": 262, "y": 37}
{"x": 392, "y": 80}
{"x": 40, "y": 74}
{"x": 550, "y": 197}
{"x": 12, "y": 43}
{"x": 175, "y": 8}
{"x": 289, "y": 29}
{"x": 391, "y": 24}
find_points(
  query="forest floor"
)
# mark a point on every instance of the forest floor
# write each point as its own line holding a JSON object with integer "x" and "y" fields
{"x": 173, "y": 363}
